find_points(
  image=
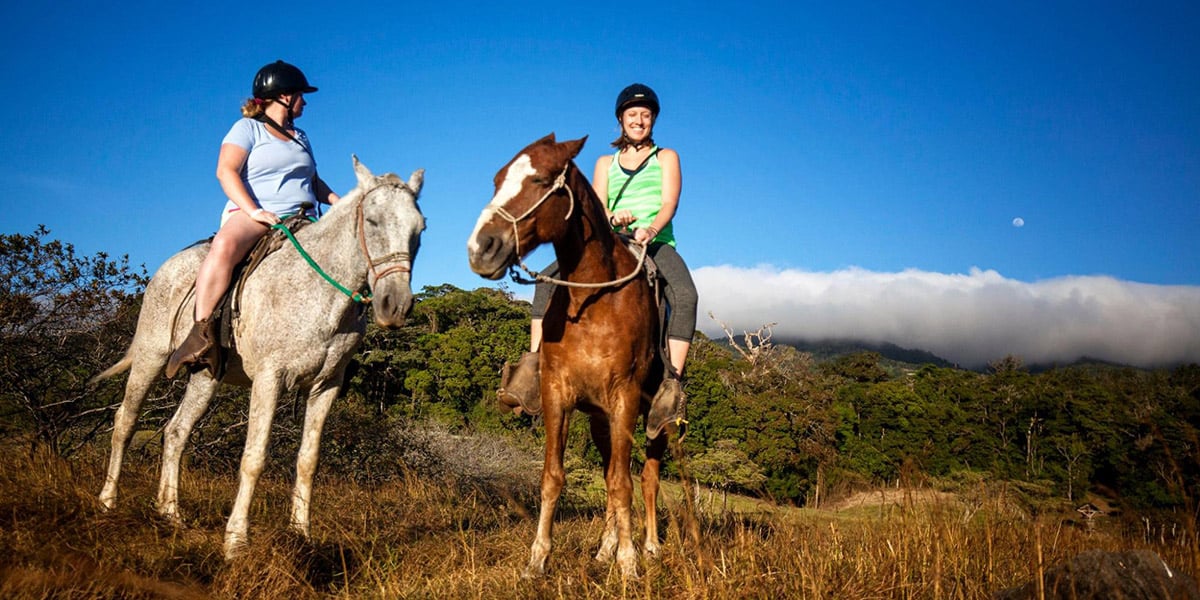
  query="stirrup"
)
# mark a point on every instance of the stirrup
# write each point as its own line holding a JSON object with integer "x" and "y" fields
{"x": 521, "y": 386}
{"x": 668, "y": 410}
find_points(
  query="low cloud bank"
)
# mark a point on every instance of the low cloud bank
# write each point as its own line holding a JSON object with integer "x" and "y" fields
{"x": 971, "y": 319}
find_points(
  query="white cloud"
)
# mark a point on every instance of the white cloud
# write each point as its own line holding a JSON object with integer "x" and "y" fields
{"x": 970, "y": 319}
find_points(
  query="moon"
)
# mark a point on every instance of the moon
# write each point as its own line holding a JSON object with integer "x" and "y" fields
{"x": 1018, "y": 222}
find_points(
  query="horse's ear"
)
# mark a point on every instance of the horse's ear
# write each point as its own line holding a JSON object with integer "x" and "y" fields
{"x": 574, "y": 146}
{"x": 361, "y": 171}
{"x": 416, "y": 180}
{"x": 548, "y": 139}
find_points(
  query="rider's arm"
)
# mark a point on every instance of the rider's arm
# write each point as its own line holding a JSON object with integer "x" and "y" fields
{"x": 600, "y": 182}
{"x": 229, "y": 173}
{"x": 322, "y": 191}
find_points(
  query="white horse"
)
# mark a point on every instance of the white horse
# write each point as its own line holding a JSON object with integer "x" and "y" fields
{"x": 295, "y": 331}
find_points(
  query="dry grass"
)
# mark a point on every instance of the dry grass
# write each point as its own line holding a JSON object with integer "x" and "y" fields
{"x": 420, "y": 539}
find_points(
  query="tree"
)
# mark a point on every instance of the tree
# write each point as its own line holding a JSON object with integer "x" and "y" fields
{"x": 862, "y": 367}
{"x": 725, "y": 467}
{"x": 447, "y": 360}
{"x": 779, "y": 407}
{"x": 63, "y": 318}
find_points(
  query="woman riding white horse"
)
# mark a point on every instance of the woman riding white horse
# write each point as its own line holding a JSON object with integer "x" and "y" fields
{"x": 266, "y": 168}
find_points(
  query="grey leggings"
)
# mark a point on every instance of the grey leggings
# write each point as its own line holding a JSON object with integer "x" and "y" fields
{"x": 678, "y": 288}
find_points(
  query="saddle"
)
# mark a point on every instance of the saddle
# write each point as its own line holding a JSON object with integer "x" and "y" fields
{"x": 267, "y": 244}
{"x": 228, "y": 308}
{"x": 651, "y": 270}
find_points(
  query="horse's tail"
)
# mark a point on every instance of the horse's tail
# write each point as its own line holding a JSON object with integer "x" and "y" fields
{"x": 121, "y": 366}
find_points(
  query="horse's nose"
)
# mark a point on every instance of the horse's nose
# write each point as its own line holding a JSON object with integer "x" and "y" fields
{"x": 392, "y": 309}
{"x": 488, "y": 255}
{"x": 483, "y": 248}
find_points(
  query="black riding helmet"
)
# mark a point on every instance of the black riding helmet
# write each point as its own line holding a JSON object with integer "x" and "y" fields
{"x": 280, "y": 78}
{"x": 637, "y": 94}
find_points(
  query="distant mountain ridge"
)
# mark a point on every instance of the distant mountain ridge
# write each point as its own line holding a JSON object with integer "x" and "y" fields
{"x": 823, "y": 350}
{"x": 912, "y": 358}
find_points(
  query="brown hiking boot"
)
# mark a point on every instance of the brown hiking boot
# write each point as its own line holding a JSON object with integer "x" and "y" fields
{"x": 198, "y": 351}
{"x": 668, "y": 409}
{"x": 521, "y": 386}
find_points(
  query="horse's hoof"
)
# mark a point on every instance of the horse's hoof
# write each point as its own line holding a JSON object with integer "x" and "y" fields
{"x": 628, "y": 561}
{"x": 173, "y": 517}
{"x": 235, "y": 546}
{"x": 302, "y": 532}
{"x": 630, "y": 572}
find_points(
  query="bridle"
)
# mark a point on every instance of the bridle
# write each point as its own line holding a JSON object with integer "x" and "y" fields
{"x": 560, "y": 182}
{"x": 402, "y": 259}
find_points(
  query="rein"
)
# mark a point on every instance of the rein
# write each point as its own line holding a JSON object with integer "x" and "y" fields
{"x": 560, "y": 182}
{"x": 399, "y": 257}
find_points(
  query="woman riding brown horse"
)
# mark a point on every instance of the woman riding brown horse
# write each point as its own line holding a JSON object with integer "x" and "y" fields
{"x": 599, "y": 333}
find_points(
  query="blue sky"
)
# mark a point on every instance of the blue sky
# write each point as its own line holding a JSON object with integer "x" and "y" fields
{"x": 880, "y": 149}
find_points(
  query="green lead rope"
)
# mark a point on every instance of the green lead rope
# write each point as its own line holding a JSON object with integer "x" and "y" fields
{"x": 355, "y": 296}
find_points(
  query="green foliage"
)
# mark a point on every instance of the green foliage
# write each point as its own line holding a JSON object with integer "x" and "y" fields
{"x": 775, "y": 405}
{"x": 447, "y": 360}
{"x": 725, "y": 466}
{"x": 63, "y": 319}
{"x": 862, "y": 367}
{"x": 762, "y": 418}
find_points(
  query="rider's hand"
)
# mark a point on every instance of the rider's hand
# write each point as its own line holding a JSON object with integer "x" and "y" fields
{"x": 264, "y": 216}
{"x": 621, "y": 218}
{"x": 644, "y": 235}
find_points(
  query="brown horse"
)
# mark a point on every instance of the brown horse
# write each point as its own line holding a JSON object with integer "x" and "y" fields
{"x": 598, "y": 350}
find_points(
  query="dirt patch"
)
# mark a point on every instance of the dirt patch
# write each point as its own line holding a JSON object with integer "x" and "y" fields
{"x": 894, "y": 496}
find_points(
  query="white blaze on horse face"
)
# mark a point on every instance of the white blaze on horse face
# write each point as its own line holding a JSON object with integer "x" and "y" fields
{"x": 514, "y": 180}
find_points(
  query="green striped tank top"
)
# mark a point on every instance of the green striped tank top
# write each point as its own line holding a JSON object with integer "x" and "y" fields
{"x": 643, "y": 195}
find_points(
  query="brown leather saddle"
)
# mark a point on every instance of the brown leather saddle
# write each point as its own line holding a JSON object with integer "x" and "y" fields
{"x": 229, "y": 306}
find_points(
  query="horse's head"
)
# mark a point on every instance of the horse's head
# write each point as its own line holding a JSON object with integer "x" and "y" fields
{"x": 388, "y": 225}
{"x": 530, "y": 207}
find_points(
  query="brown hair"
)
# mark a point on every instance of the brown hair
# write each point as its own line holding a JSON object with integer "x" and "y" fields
{"x": 623, "y": 142}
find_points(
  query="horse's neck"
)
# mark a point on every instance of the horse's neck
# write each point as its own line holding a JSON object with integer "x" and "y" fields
{"x": 588, "y": 252}
{"x": 332, "y": 244}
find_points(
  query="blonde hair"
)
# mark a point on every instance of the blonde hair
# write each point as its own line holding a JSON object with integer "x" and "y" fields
{"x": 254, "y": 107}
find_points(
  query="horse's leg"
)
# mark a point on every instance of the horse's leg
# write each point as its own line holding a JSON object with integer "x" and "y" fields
{"x": 650, "y": 471}
{"x": 553, "y": 478}
{"x": 601, "y": 437}
{"x": 264, "y": 395}
{"x": 319, "y": 402}
{"x": 200, "y": 391}
{"x": 619, "y": 480}
{"x": 141, "y": 376}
